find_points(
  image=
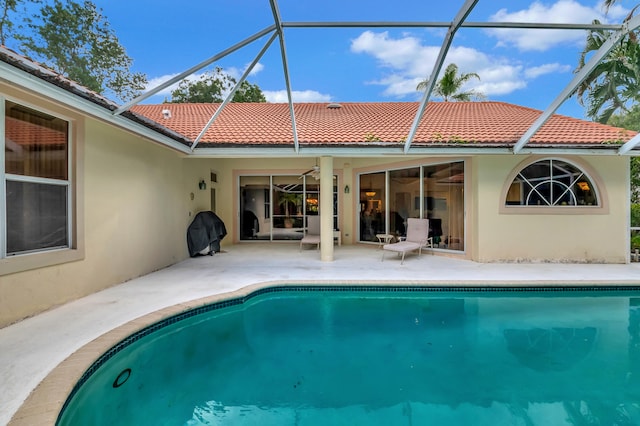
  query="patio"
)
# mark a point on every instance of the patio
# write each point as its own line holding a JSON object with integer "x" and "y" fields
{"x": 31, "y": 349}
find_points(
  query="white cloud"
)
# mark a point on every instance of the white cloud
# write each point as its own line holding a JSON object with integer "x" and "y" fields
{"x": 258, "y": 68}
{"x": 617, "y": 12}
{"x": 398, "y": 86}
{"x": 280, "y": 96}
{"x": 407, "y": 62}
{"x": 157, "y": 81}
{"x": 535, "y": 72}
{"x": 237, "y": 72}
{"x": 562, "y": 11}
{"x": 496, "y": 88}
{"x": 395, "y": 53}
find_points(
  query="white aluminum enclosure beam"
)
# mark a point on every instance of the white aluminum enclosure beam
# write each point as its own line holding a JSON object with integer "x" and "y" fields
{"x": 458, "y": 22}
{"x": 448, "y": 39}
{"x": 19, "y": 78}
{"x": 285, "y": 70}
{"x": 364, "y": 24}
{"x": 433, "y": 24}
{"x": 233, "y": 91}
{"x": 193, "y": 69}
{"x": 595, "y": 59}
{"x": 629, "y": 145}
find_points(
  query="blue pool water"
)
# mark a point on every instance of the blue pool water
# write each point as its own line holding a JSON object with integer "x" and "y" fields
{"x": 377, "y": 356}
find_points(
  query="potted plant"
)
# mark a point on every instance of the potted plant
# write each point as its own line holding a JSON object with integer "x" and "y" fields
{"x": 285, "y": 199}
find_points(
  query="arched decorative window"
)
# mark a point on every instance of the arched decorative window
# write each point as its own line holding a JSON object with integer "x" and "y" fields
{"x": 550, "y": 183}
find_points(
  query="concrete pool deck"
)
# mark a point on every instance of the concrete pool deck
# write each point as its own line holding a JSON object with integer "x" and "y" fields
{"x": 32, "y": 351}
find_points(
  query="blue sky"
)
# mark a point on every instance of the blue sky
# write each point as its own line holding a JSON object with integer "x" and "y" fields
{"x": 525, "y": 67}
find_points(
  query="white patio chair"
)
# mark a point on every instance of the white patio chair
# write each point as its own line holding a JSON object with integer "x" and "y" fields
{"x": 417, "y": 237}
{"x": 312, "y": 234}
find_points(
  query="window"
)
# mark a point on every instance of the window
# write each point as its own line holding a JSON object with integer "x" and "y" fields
{"x": 36, "y": 177}
{"x": 434, "y": 191}
{"x": 275, "y": 207}
{"x": 443, "y": 204}
{"x": 551, "y": 183}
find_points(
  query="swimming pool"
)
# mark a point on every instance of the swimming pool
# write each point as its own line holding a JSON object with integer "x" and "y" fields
{"x": 377, "y": 355}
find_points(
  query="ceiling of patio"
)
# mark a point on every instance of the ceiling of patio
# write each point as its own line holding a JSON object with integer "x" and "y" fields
{"x": 274, "y": 33}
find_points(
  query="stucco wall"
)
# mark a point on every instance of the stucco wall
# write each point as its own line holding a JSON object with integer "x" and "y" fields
{"x": 228, "y": 170}
{"x": 573, "y": 235}
{"x": 136, "y": 211}
{"x": 139, "y": 198}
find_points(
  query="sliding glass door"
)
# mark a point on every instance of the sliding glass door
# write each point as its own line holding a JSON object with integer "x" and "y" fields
{"x": 435, "y": 192}
{"x": 275, "y": 207}
{"x": 288, "y": 204}
{"x": 372, "y": 206}
{"x": 255, "y": 207}
{"x": 444, "y": 203}
{"x": 403, "y": 184}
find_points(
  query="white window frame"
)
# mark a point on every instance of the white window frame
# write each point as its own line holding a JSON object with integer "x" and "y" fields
{"x": 600, "y": 207}
{"x": 74, "y": 250}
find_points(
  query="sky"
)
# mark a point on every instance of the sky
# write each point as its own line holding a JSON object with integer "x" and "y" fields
{"x": 524, "y": 67}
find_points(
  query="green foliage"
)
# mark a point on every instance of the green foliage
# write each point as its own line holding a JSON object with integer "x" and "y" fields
{"x": 630, "y": 120}
{"x": 213, "y": 86}
{"x": 439, "y": 137}
{"x": 75, "y": 40}
{"x": 456, "y": 139}
{"x": 8, "y": 24}
{"x": 635, "y": 179}
{"x": 613, "y": 84}
{"x": 286, "y": 199}
{"x": 635, "y": 222}
{"x": 635, "y": 214}
{"x": 248, "y": 92}
{"x": 371, "y": 137}
{"x": 448, "y": 87}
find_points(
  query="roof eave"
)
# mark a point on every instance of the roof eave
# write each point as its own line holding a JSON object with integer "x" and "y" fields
{"x": 33, "y": 79}
{"x": 397, "y": 150}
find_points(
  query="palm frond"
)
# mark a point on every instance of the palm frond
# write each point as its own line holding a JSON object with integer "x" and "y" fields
{"x": 615, "y": 81}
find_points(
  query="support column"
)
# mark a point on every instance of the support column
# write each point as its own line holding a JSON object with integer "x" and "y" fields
{"x": 326, "y": 209}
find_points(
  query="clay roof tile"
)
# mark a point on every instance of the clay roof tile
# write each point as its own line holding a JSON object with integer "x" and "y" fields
{"x": 443, "y": 123}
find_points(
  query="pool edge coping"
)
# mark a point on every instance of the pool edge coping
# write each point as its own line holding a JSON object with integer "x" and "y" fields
{"x": 44, "y": 402}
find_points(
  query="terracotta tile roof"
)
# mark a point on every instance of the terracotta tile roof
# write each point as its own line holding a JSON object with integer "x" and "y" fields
{"x": 382, "y": 123}
{"x": 30, "y": 136}
{"x": 361, "y": 124}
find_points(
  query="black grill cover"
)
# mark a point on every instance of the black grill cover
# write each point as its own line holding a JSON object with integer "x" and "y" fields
{"x": 206, "y": 230}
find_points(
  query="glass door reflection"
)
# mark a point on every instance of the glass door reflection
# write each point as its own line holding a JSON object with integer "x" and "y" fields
{"x": 372, "y": 205}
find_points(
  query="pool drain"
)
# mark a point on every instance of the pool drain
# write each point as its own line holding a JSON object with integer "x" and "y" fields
{"x": 122, "y": 378}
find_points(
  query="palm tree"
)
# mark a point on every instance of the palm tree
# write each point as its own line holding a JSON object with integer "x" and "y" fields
{"x": 448, "y": 87}
{"x": 608, "y": 3}
{"x": 614, "y": 83}
{"x": 287, "y": 198}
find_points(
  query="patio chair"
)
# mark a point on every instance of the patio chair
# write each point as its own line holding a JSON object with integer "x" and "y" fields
{"x": 312, "y": 235}
{"x": 417, "y": 237}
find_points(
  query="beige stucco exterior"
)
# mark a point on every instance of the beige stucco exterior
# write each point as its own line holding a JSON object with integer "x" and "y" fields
{"x": 136, "y": 204}
{"x": 581, "y": 234}
{"x": 494, "y": 233}
{"x": 135, "y": 199}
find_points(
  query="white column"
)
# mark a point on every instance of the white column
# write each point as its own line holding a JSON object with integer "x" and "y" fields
{"x": 326, "y": 209}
